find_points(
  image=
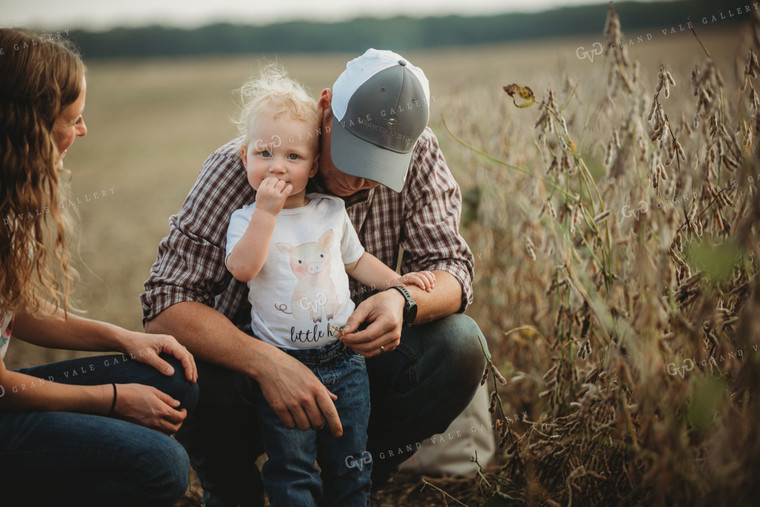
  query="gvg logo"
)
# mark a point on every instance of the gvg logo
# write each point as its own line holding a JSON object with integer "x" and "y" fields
{"x": 674, "y": 370}
{"x": 316, "y": 303}
{"x": 628, "y": 212}
{"x": 365, "y": 458}
{"x": 583, "y": 54}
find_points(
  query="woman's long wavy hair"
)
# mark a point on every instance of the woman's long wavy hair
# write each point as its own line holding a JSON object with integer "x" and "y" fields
{"x": 40, "y": 77}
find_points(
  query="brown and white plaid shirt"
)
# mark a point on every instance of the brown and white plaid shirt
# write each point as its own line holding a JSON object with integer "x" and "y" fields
{"x": 421, "y": 224}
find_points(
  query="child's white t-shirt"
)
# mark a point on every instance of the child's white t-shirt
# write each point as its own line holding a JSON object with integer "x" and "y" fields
{"x": 302, "y": 289}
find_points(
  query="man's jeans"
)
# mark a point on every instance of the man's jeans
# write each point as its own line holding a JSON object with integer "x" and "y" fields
{"x": 66, "y": 458}
{"x": 290, "y": 477}
{"x": 416, "y": 391}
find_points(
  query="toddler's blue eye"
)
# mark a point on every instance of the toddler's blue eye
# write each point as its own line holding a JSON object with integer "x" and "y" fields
{"x": 265, "y": 153}
{"x": 293, "y": 156}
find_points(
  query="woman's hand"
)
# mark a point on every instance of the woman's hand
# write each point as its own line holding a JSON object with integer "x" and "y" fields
{"x": 146, "y": 348}
{"x": 52, "y": 327}
{"x": 149, "y": 407}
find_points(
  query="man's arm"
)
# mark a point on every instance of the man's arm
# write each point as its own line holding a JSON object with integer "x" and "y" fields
{"x": 292, "y": 390}
{"x": 384, "y": 312}
{"x": 432, "y": 211}
{"x": 443, "y": 300}
{"x": 431, "y": 241}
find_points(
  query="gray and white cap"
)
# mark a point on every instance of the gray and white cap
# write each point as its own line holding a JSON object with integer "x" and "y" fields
{"x": 380, "y": 108}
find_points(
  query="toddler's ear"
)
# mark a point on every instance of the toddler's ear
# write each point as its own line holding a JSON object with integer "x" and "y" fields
{"x": 314, "y": 167}
{"x": 244, "y": 155}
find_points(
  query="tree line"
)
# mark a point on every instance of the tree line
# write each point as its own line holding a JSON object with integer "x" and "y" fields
{"x": 400, "y": 33}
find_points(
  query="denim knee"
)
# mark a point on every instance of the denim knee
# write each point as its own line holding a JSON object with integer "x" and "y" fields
{"x": 465, "y": 347}
{"x": 170, "y": 470}
{"x": 177, "y": 386}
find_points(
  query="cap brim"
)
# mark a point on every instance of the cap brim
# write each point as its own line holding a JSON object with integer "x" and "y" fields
{"x": 362, "y": 159}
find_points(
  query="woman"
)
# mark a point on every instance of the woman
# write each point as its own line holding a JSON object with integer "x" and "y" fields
{"x": 79, "y": 431}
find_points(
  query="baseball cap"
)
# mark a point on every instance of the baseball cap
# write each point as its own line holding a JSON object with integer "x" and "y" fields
{"x": 380, "y": 108}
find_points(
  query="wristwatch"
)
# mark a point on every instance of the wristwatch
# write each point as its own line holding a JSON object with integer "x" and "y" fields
{"x": 410, "y": 307}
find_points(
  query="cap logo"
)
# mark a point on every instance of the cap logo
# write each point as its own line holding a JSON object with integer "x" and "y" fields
{"x": 393, "y": 122}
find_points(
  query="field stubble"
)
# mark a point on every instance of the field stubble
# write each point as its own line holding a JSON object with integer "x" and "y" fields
{"x": 606, "y": 261}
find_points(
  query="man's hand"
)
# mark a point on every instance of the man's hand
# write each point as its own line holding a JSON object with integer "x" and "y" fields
{"x": 272, "y": 194}
{"x": 385, "y": 314}
{"x": 297, "y": 396}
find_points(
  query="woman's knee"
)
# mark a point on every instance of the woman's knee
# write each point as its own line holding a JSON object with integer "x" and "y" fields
{"x": 178, "y": 386}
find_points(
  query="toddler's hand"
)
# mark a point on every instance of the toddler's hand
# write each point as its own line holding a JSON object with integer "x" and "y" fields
{"x": 271, "y": 195}
{"x": 425, "y": 280}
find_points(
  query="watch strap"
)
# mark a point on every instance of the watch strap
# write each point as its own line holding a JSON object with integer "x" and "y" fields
{"x": 409, "y": 305}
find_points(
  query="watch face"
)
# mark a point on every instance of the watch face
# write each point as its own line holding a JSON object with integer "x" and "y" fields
{"x": 410, "y": 307}
{"x": 410, "y": 312}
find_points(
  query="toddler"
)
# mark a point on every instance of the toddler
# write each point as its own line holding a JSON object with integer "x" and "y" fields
{"x": 295, "y": 251}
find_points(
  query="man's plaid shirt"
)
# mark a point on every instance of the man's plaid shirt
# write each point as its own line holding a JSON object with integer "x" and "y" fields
{"x": 420, "y": 224}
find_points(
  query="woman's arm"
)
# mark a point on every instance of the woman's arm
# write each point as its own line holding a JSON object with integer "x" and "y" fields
{"x": 19, "y": 391}
{"x": 144, "y": 405}
{"x": 51, "y": 327}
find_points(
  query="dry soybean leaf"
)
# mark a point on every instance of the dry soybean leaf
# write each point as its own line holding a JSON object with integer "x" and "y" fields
{"x": 523, "y": 92}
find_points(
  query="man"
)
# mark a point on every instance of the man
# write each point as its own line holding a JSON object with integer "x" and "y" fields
{"x": 424, "y": 358}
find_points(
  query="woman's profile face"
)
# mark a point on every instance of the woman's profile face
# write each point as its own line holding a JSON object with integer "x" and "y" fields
{"x": 70, "y": 124}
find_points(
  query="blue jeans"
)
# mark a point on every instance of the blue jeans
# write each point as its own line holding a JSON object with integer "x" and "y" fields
{"x": 290, "y": 477}
{"x": 416, "y": 391}
{"x": 66, "y": 458}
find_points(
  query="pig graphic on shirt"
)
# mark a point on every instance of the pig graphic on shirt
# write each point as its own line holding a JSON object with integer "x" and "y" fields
{"x": 314, "y": 294}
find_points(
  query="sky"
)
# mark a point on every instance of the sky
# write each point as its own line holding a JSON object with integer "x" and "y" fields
{"x": 104, "y": 14}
